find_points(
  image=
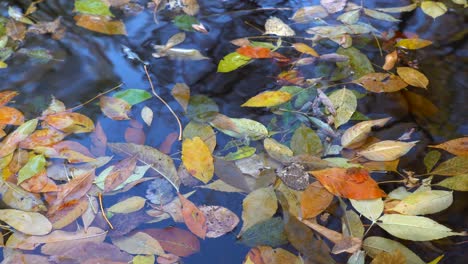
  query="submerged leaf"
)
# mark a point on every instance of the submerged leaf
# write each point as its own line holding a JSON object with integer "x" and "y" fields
{"x": 258, "y": 206}
{"x": 133, "y": 96}
{"x": 101, "y": 24}
{"x": 277, "y": 27}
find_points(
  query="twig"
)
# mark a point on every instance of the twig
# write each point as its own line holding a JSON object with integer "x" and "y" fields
{"x": 164, "y": 102}
{"x": 92, "y": 99}
{"x": 249, "y": 10}
{"x": 102, "y": 211}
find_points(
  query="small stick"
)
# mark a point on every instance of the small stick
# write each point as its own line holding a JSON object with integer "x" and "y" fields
{"x": 102, "y": 211}
{"x": 92, "y": 99}
{"x": 164, "y": 102}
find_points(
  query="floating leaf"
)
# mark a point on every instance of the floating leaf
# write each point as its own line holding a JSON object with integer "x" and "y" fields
{"x": 352, "y": 225}
{"x": 70, "y": 122}
{"x": 239, "y": 127}
{"x": 202, "y": 108}
{"x": 380, "y": 15}
{"x": 358, "y": 62}
{"x": 269, "y": 232}
{"x": 35, "y": 165}
{"x": 431, "y": 159}
{"x": 193, "y": 217}
{"x": 232, "y": 62}
{"x": 345, "y": 103}
{"x": 6, "y": 96}
{"x": 333, "y": 6}
{"x": 454, "y": 166}
{"x": 178, "y": 53}
{"x": 381, "y": 82}
{"x": 424, "y": 202}
{"x": 185, "y": 22}
{"x": 457, "y": 183}
{"x": 356, "y": 135}
{"x": 101, "y": 24}
{"x": 350, "y": 17}
{"x": 390, "y": 60}
{"x": 353, "y": 183}
{"x": 268, "y": 99}
{"x": 219, "y": 185}
{"x": 10, "y": 143}
{"x": 413, "y": 77}
{"x": 306, "y": 141}
{"x": 309, "y": 13}
{"x": 147, "y": 115}
{"x": 457, "y": 146}
{"x": 133, "y": 96}
{"x": 128, "y": 205}
{"x": 400, "y": 9}
{"x": 374, "y": 245}
{"x": 304, "y": 48}
{"x": 240, "y": 153}
{"x": 29, "y": 223}
{"x": 413, "y": 43}
{"x": 258, "y": 206}
{"x": 119, "y": 173}
{"x": 255, "y": 52}
{"x": 115, "y": 108}
{"x": 204, "y": 131}
{"x": 277, "y": 27}
{"x": 219, "y": 220}
{"x": 314, "y": 200}
{"x": 92, "y": 7}
{"x": 387, "y": 150}
{"x": 10, "y": 116}
{"x": 139, "y": 243}
{"x": 433, "y": 9}
{"x": 415, "y": 228}
{"x": 181, "y": 93}
{"x": 197, "y": 159}
{"x": 176, "y": 241}
{"x": 371, "y": 209}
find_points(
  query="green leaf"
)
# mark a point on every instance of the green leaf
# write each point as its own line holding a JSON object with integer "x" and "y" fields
{"x": 431, "y": 159}
{"x": 457, "y": 183}
{"x": 424, "y": 202}
{"x": 415, "y": 228}
{"x": 34, "y": 166}
{"x": 232, "y": 62}
{"x": 241, "y": 153}
{"x": 92, "y": 7}
{"x": 454, "y": 166}
{"x": 269, "y": 232}
{"x": 306, "y": 141}
{"x": 42, "y": 55}
{"x": 433, "y": 9}
{"x": 358, "y": 62}
{"x": 356, "y": 228}
{"x": 201, "y": 108}
{"x": 371, "y": 209}
{"x": 345, "y": 103}
{"x": 375, "y": 245}
{"x": 185, "y": 22}
{"x": 133, "y": 96}
{"x": 350, "y": 17}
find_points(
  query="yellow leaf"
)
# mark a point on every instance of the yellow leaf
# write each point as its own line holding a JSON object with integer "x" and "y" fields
{"x": 379, "y": 82}
{"x": 3, "y": 65}
{"x": 433, "y": 9}
{"x": 412, "y": 44}
{"x": 197, "y": 159}
{"x": 304, "y": 48}
{"x": 268, "y": 99}
{"x": 413, "y": 77}
{"x": 387, "y": 150}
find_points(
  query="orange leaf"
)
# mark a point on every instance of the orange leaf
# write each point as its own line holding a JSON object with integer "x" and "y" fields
{"x": 291, "y": 77}
{"x": 70, "y": 122}
{"x": 314, "y": 200}
{"x": 101, "y": 24}
{"x": 458, "y": 147}
{"x": 43, "y": 137}
{"x": 39, "y": 183}
{"x": 115, "y": 108}
{"x": 193, "y": 217}
{"x": 120, "y": 173}
{"x": 353, "y": 183}
{"x": 255, "y": 52}
{"x": 6, "y": 96}
{"x": 10, "y": 116}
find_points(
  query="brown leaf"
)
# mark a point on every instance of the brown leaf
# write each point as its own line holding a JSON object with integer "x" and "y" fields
{"x": 390, "y": 60}
{"x": 101, "y": 24}
{"x": 176, "y": 241}
{"x": 458, "y": 147}
{"x": 81, "y": 252}
{"x": 219, "y": 220}
{"x": 120, "y": 173}
{"x": 395, "y": 257}
{"x": 193, "y": 217}
{"x": 314, "y": 200}
{"x": 70, "y": 122}
{"x": 191, "y": 7}
{"x": 39, "y": 183}
{"x": 378, "y": 82}
{"x": 43, "y": 137}
{"x": 68, "y": 212}
{"x": 15, "y": 30}
{"x": 10, "y": 116}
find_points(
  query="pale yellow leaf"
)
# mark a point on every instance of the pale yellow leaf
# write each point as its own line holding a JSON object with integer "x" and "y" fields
{"x": 356, "y": 135}
{"x": 128, "y": 205}
{"x": 387, "y": 150}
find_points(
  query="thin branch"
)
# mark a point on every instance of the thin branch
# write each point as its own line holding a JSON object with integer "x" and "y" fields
{"x": 164, "y": 102}
{"x": 249, "y": 10}
{"x": 102, "y": 211}
{"x": 95, "y": 97}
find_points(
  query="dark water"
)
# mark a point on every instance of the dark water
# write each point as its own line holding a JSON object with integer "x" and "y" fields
{"x": 89, "y": 63}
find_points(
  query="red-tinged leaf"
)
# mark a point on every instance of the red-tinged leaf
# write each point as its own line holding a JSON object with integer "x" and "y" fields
{"x": 101, "y": 24}
{"x": 314, "y": 200}
{"x": 11, "y": 116}
{"x": 72, "y": 151}
{"x": 68, "y": 212}
{"x": 82, "y": 252}
{"x": 290, "y": 77}
{"x": 115, "y": 108}
{"x": 70, "y": 122}
{"x": 166, "y": 145}
{"x": 39, "y": 183}
{"x": 43, "y": 137}
{"x": 176, "y": 241}
{"x": 135, "y": 135}
{"x": 98, "y": 141}
{"x": 120, "y": 173}
{"x": 353, "y": 183}
{"x": 193, "y": 217}
{"x": 220, "y": 220}
{"x": 255, "y": 52}
{"x": 6, "y": 96}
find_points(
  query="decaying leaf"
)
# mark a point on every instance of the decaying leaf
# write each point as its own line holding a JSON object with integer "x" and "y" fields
{"x": 181, "y": 93}
{"x": 193, "y": 217}
{"x": 139, "y": 243}
{"x": 219, "y": 220}
{"x": 457, "y": 146}
{"x": 381, "y": 82}
{"x": 314, "y": 200}
{"x": 277, "y": 27}
{"x": 101, "y": 24}
{"x": 30, "y": 223}
{"x": 176, "y": 241}
{"x": 239, "y": 127}
{"x": 345, "y": 103}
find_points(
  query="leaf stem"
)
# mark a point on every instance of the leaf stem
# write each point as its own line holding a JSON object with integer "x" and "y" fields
{"x": 102, "y": 211}
{"x": 92, "y": 99}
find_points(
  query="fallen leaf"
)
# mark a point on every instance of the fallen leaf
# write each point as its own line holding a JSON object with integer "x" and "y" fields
{"x": 269, "y": 232}
{"x": 30, "y": 223}
{"x": 372, "y": 209}
{"x": 68, "y": 212}
{"x": 357, "y": 65}
{"x": 374, "y": 245}
{"x": 139, "y": 243}
{"x": 190, "y": 7}
{"x": 35, "y": 165}
{"x": 239, "y": 127}
{"x": 452, "y": 167}
{"x": 413, "y": 77}
{"x": 10, "y": 116}
{"x": 255, "y": 52}
{"x": 380, "y": 15}
{"x": 413, "y": 43}
{"x": 333, "y": 6}
{"x": 133, "y": 96}
{"x": 275, "y": 26}
{"x": 43, "y": 137}
{"x": 176, "y": 241}
{"x": 193, "y": 217}
{"x": 10, "y": 143}
{"x": 309, "y": 13}
{"x": 268, "y": 99}
{"x": 387, "y": 150}
{"x": 258, "y": 206}
{"x": 89, "y": 252}
{"x": 277, "y": 150}
{"x": 70, "y": 122}
{"x": 147, "y": 115}
{"x": 6, "y": 96}
{"x": 101, "y": 24}
{"x": 114, "y": 108}
{"x": 232, "y": 61}
{"x": 128, "y": 205}
{"x": 424, "y": 202}
{"x": 457, "y": 183}
{"x": 181, "y": 92}
{"x": 197, "y": 158}
{"x": 92, "y": 7}
{"x": 219, "y": 220}
{"x": 381, "y": 82}
{"x": 400, "y": 9}
{"x": 304, "y": 48}
{"x": 353, "y": 183}
{"x": 201, "y": 108}
{"x": 120, "y": 173}
{"x": 306, "y": 141}
{"x": 433, "y": 9}
{"x": 390, "y": 60}
{"x": 314, "y": 200}
{"x": 345, "y": 103}
{"x": 356, "y": 135}
{"x": 457, "y": 146}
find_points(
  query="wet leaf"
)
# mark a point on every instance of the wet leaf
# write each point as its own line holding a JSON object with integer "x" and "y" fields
{"x": 424, "y": 202}
{"x": 70, "y": 122}
{"x": 205, "y": 132}
{"x": 413, "y": 77}
{"x": 452, "y": 167}
{"x": 39, "y": 183}
{"x": 101, "y": 24}
{"x": 314, "y": 200}
{"x": 176, "y": 241}
{"x": 309, "y": 13}
{"x": 431, "y": 159}
{"x": 304, "y": 48}
{"x": 457, "y": 146}
{"x": 380, "y": 15}
{"x": 197, "y": 159}
{"x": 433, "y": 9}
{"x": 178, "y": 53}
{"x": 29, "y": 223}
{"x": 43, "y": 137}
{"x": 457, "y": 183}
{"x": 333, "y": 6}
{"x": 268, "y": 99}
{"x": 120, "y": 173}
{"x": 219, "y": 220}
{"x": 147, "y": 115}
{"x": 232, "y": 62}
{"x": 358, "y": 62}
{"x": 258, "y": 206}
{"x": 240, "y": 153}
{"x": 345, "y": 103}
{"x": 306, "y": 141}
{"x": 181, "y": 92}
{"x": 239, "y": 127}
{"x": 356, "y": 135}
{"x": 92, "y": 7}
{"x": 381, "y": 82}
{"x": 269, "y": 232}
{"x": 374, "y": 245}
{"x": 201, "y": 108}
{"x": 255, "y": 52}
{"x": 415, "y": 228}
{"x": 139, "y": 243}
{"x": 230, "y": 173}
{"x": 89, "y": 252}
{"x": 350, "y": 17}
{"x": 387, "y": 150}
{"x": 277, "y": 150}
{"x": 128, "y": 205}
{"x": 16, "y": 197}
{"x": 353, "y": 183}
{"x": 219, "y": 185}
{"x": 144, "y": 259}
{"x": 185, "y": 22}
{"x": 275, "y": 26}
{"x": 6, "y": 96}
{"x": 35, "y": 165}
{"x": 413, "y": 43}
{"x": 10, "y": 143}
{"x": 158, "y": 161}
{"x": 400, "y": 9}
{"x": 371, "y": 209}
{"x": 133, "y": 96}
{"x": 352, "y": 225}
{"x": 10, "y": 116}
{"x": 193, "y": 217}
{"x": 390, "y": 60}
{"x": 114, "y": 108}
